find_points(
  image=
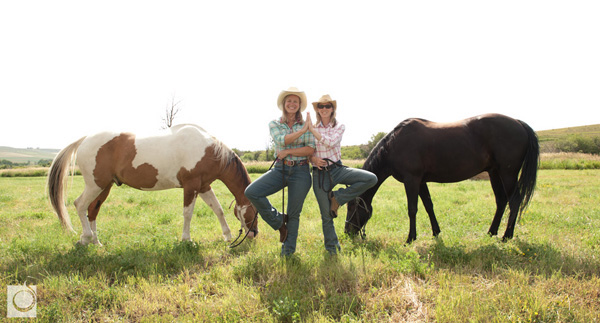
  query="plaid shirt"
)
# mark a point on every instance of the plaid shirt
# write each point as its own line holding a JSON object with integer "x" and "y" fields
{"x": 280, "y": 129}
{"x": 330, "y": 144}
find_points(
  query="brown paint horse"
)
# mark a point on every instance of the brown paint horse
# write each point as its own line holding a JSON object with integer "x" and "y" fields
{"x": 418, "y": 151}
{"x": 187, "y": 158}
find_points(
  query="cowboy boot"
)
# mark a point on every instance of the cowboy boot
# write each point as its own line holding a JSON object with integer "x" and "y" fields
{"x": 283, "y": 231}
{"x": 334, "y": 205}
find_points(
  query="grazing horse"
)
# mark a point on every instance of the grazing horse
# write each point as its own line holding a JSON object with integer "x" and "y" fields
{"x": 188, "y": 157}
{"x": 418, "y": 151}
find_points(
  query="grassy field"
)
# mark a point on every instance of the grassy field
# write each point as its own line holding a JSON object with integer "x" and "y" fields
{"x": 550, "y": 271}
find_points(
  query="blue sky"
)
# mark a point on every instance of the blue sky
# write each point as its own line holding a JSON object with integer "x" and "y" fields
{"x": 74, "y": 68}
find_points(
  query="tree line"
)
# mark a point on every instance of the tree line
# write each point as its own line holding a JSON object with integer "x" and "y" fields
{"x": 348, "y": 152}
{"x": 571, "y": 144}
{"x": 7, "y": 164}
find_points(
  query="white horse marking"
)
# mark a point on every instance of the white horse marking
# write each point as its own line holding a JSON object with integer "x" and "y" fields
{"x": 210, "y": 198}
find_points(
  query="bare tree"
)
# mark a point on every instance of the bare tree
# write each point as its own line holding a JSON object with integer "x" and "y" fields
{"x": 170, "y": 113}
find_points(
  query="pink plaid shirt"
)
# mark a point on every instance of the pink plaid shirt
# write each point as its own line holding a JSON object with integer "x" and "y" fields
{"x": 331, "y": 138}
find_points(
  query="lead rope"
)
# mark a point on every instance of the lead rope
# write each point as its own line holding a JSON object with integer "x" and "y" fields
{"x": 233, "y": 244}
{"x": 321, "y": 179}
{"x": 283, "y": 211}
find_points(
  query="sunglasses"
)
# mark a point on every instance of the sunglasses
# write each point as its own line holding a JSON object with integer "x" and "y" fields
{"x": 324, "y": 106}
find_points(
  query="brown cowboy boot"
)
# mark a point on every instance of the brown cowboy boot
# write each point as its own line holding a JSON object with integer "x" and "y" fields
{"x": 334, "y": 205}
{"x": 283, "y": 229}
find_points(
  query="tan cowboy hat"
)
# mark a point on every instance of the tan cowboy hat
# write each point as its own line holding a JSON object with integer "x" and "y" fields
{"x": 294, "y": 91}
{"x": 325, "y": 99}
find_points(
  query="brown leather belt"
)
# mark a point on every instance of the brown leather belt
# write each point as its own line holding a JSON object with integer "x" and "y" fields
{"x": 293, "y": 163}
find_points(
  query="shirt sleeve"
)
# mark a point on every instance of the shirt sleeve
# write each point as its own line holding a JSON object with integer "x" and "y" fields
{"x": 277, "y": 134}
{"x": 310, "y": 140}
{"x": 335, "y": 138}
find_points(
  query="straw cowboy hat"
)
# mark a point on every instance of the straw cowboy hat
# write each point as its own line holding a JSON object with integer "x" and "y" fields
{"x": 294, "y": 91}
{"x": 325, "y": 99}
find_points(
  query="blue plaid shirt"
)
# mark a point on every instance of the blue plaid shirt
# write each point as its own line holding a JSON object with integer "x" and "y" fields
{"x": 280, "y": 129}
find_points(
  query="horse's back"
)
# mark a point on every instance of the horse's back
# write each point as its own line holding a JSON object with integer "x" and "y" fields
{"x": 505, "y": 138}
{"x": 149, "y": 163}
{"x": 455, "y": 151}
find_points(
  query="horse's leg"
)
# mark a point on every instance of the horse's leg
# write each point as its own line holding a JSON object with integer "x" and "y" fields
{"x": 501, "y": 201}
{"x": 189, "y": 201}
{"x": 90, "y": 193}
{"x": 509, "y": 181}
{"x": 426, "y": 198}
{"x": 93, "y": 210}
{"x": 513, "y": 205}
{"x": 210, "y": 199}
{"x": 412, "y": 198}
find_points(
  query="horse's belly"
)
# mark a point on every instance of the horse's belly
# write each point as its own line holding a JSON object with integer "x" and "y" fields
{"x": 164, "y": 182}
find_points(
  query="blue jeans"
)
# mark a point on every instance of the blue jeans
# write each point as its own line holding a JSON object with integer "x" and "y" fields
{"x": 297, "y": 179}
{"x": 359, "y": 180}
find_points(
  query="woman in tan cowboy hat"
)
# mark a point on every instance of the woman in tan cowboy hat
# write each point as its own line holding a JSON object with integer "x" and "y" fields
{"x": 328, "y": 170}
{"x": 293, "y": 144}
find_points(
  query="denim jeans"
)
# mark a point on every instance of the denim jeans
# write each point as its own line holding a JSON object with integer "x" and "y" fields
{"x": 324, "y": 181}
{"x": 297, "y": 179}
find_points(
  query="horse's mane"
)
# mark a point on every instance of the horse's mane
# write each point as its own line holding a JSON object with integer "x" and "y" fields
{"x": 227, "y": 157}
{"x": 377, "y": 157}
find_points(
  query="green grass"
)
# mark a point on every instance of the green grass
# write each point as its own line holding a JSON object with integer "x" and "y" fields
{"x": 548, "y": 273}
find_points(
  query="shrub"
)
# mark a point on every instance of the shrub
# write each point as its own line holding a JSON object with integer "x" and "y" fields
{"x": 580, "y": 144}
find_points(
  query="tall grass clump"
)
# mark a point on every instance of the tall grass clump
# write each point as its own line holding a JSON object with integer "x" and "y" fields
{"x": 571, "y": 161}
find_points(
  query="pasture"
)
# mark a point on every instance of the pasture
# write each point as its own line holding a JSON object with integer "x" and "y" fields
{"x": 550, "y": 271}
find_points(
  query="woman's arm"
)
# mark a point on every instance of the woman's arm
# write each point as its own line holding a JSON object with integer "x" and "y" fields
{"x": 332, "y": 140}
{"x": 298, "y": 152}
{"x": 295, "y": 135}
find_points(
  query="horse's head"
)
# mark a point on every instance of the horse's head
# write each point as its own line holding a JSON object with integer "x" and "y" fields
{"x": 359, "y": 212}
{"x": 249, "y": 218}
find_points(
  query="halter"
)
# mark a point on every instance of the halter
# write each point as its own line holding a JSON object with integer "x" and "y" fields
{"x": 359, "y": 203}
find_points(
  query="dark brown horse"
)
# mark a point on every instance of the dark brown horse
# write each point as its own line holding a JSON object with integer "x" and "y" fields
{"x": 418, "y": 151}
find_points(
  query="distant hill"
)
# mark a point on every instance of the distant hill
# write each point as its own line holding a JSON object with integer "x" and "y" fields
{"x": 549, "y": 138}
{"x": 26, "y": 155}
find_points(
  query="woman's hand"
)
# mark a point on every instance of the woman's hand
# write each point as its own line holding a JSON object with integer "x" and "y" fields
{"x": 307, "y": 124}
{"x": 282, "y": 154}
{"x": 312, "y": 128}
{"x": 318, "y": 162}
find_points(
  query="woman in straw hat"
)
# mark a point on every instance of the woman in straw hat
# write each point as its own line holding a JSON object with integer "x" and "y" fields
{"x": 328, "y": 170}
{"x": 293, "y": 144}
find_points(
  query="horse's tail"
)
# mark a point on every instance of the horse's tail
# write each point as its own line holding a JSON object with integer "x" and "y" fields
{"x": 56, "y": 180}
{"x": 527, "y": 180}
